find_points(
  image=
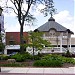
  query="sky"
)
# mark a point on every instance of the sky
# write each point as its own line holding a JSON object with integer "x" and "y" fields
{"x": 64, "y": 16}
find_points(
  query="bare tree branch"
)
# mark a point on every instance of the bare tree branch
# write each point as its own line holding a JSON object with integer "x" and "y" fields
{"x": 13, "y": 10}
{"x": 15, "y": 1}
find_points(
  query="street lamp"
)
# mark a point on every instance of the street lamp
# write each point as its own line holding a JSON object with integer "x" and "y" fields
{"x": 0, "y": 26}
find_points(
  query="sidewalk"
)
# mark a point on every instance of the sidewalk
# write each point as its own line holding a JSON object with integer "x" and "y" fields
{"x": 38, "y": 71}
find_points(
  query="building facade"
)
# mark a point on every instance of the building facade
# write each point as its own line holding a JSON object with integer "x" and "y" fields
{"x": 13, "y": 42}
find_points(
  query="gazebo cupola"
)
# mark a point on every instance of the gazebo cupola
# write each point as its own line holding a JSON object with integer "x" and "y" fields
{"x": 51, "y": 19}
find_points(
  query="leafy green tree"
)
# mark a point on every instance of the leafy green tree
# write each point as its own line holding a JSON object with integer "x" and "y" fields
{"x": 2, "y": 46}
{"x": 23, "y": 14}
{"x": 37, "y": 41}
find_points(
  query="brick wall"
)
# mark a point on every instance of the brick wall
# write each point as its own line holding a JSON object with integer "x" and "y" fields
{"x": 14, "y": 36}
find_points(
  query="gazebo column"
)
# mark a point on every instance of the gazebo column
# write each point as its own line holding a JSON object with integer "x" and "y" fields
{"x": 61, "y": 35}
{"x": 69, "y": 42}
{"x": 44, "y": 35}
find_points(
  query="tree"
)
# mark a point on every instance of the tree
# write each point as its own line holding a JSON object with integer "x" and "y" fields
{"x": 37, "y": 41}
{"x": 2, "y": 46}
{"x": 25, "y": 15}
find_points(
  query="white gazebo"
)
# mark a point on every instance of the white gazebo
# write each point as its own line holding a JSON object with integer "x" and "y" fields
{"x": 56, "y": 34}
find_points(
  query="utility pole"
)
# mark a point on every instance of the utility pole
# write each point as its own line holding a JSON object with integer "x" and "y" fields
{"x": 0, "y": 22}
{"x": 0, "y": 27}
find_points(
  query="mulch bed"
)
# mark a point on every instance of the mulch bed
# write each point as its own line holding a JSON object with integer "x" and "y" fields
{"x": 30, "y": 63}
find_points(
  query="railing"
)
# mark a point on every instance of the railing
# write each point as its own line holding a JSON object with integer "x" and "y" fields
{"x": 53, "y": 50}
{"x": 47, "y": 50}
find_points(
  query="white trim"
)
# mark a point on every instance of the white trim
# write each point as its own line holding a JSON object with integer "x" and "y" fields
{"x": 12, "y": 47}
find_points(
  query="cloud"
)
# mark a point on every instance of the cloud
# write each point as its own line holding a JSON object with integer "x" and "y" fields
{"x": 16, "y": 27}
{"x": 12, "y": 27}
{"x": 65, "y": 19}
{"x": 9, "y": 14}
{"x": 37, "y": 9}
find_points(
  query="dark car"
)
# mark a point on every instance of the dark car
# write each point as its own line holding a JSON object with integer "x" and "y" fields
{"x": 12, "y": 54}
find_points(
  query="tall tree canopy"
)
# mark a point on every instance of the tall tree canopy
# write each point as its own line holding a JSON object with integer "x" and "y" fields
{"x": 23, "y": 13}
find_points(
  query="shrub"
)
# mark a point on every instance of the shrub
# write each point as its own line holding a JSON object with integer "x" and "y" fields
{"x": 48, "y": 63}
{"x": 36, "y": 57}
{"x": 21, "y": 57}
{"x": 68, "y": 60}
{"x": 68, "y": 54}
{"x": 52, "y": 57}
{"x": 4, "y": 57}
{"x": 53, "y": 61}
{"x": 18, "y": 57}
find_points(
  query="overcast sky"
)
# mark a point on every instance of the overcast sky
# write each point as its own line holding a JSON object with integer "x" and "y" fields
{"x": 65, "y": 16}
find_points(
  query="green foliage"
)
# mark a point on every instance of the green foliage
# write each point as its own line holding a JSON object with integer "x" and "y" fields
{"x": 37, "y": 41}
{"x": 4, "y": 57}
{"x": 68, "y": 53}
{"x": 36, "y": 57}
{"x": 68, "y": 60}
{"x": 2, "y": 46}
{"x": 52, "y": 57}
{"x": 21, "y": 57}
{"x": 48, "y": 63}
{"x": 53, "y": 61}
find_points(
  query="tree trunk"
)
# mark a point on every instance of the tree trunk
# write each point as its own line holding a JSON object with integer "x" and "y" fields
{"x": 33, "y": 51}
{"x": 21, "y": 39}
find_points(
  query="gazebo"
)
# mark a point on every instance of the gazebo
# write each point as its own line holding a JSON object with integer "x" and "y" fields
{"x": 57, "y": 34}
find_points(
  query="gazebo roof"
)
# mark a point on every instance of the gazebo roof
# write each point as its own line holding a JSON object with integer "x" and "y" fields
{"x": 51, "y": 24}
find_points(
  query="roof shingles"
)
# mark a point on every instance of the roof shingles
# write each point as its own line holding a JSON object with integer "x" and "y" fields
{"x": 52, "y": 24}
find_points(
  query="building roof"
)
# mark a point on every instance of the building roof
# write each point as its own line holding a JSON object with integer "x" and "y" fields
{"x": 51, "y": 24}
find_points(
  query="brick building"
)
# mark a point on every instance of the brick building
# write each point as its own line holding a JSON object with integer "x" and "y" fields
{"x": 13, "y": 42}
{"x": 13, "y": 38}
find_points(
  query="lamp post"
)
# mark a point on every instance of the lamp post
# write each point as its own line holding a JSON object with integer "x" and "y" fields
{"x": 0, "y": 28}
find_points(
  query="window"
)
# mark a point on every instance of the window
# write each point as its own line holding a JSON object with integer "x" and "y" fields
{"x": 11, "y": 42}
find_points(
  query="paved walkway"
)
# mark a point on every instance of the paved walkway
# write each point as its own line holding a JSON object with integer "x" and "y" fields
{"x": 37, "y": 71}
